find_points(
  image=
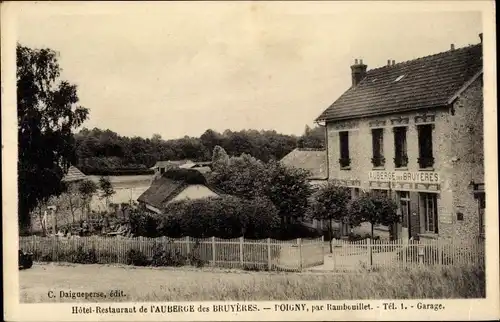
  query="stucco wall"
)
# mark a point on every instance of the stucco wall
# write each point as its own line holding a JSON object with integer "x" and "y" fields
{"x": 194, "y": 192}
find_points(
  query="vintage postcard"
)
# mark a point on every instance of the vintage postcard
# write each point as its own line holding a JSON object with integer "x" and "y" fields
{"x": 239, "y": 161}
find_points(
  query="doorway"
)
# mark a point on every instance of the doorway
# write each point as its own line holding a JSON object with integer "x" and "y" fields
{"x": 404, "y": 207}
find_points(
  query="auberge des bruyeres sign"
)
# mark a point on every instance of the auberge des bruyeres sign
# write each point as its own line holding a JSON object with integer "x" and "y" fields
{"x": 404, "y": 176}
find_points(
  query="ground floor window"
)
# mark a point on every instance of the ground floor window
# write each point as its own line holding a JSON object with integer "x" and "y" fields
{"x": 355, "y": 193}
{"x": 428, "y": 206}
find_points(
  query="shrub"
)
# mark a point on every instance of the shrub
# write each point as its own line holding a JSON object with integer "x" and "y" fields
{"x": 46, "y": 257}
{"x": 189, "y": 176}
{"x": 223, "y": 217}
{"x": 137, "y": 258}
{"x": 162, "y": 257}
{"x": 255, "y": 267}
{"x": 107, "y": 258}
{"x": 85, "y": 257}
{"x": 143, "y": 223}
{"x": 194, "y": 257}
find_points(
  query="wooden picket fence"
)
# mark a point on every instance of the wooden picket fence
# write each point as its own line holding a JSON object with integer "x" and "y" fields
{"x": 267, "y": 254}
{"x": 404, "y": 253}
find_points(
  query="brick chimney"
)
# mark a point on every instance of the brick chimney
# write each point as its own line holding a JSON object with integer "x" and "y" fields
{"x": 481, "y": 37}
{"x": 358, "y": 71}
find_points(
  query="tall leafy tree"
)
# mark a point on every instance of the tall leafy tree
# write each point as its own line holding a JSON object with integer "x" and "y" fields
{"x": 107, "y": 190}
{"x": 312, "y": 138}
{"x": 220, "y": 159}
{"x": 373, "y": 208}
{"x": 47, "y": 113}
{"x": 87, "y": 189}
{"x": 330, "y": 203}
{"x": 288, "y": 189}
{"x": 250, "y": 178}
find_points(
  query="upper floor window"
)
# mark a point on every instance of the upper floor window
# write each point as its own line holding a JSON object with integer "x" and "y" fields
{"x": 428, "y": 203}
{"x": 425, "y": 159}
{"x": 378, "y": 159}
{"x": 401, "y": 156}
{"x": 344, "y": 160}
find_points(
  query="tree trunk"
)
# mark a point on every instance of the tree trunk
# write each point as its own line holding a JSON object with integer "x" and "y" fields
{"x": 44, "y": 230}
{"x": 71, "y": 208}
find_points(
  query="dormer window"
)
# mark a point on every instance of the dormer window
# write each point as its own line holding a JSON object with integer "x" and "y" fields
{"x": 399, "y": 78}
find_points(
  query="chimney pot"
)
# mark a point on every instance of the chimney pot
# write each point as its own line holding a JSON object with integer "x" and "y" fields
{"x": 452, "y": 47}
{"x": 388, "y": 62}
{"x": 393, "y": 62}
{"x": 481, "y": 37}
{"x": 358, "y": 72}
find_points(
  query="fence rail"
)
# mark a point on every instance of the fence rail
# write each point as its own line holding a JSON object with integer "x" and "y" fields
{"x": 268, "y": 254}
{"x": 404, "y": 253}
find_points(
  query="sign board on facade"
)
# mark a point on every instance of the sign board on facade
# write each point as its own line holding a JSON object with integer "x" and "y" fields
{"x": 405, "y": 176}
{"x": 445, "y": 218}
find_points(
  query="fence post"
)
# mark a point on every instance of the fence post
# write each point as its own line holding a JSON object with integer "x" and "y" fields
{"x": 241, "y": 251}
{"x": 269, "y": 265}
{"x": 420, "y": 253}
{"x": 187, "y": 246}
{"x": 323, "y": 246}
{"x": 299, "y": 242}
{"x": 440, "y": 253}
{"x": 213, "y": 250}
{"x": 405, "y": 251}
{"x": 370, "y": 250}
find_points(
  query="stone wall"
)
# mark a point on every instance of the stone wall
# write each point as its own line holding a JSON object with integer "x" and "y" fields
{"x": 457, "y": 151}
{"x": 466, "y": 146}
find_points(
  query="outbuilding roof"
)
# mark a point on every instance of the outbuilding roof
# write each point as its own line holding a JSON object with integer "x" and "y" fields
{"x": 421, "y": 83}
{"x": 312, "y": 160}
{"x": 169, "y": 185}
{"x": 74, "y": 174}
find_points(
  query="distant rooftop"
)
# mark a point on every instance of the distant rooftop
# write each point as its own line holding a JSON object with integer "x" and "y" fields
{"x": 74, "y": 174}
{"x": 312, "y": 160}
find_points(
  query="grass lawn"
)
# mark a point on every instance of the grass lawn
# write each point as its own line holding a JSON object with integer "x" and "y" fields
{"x": 210, "y": 284}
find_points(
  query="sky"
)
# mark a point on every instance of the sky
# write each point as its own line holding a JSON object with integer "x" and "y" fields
{"x": 180, "y": 68}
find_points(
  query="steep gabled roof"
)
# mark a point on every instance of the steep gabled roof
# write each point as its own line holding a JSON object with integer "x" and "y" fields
{"x": 416, "y": 84}
{"x": 74, "y": 174}
{"x": 169, "y": 185}
{"x": 161, "y": 191}
{"x": 311, "y": 160}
